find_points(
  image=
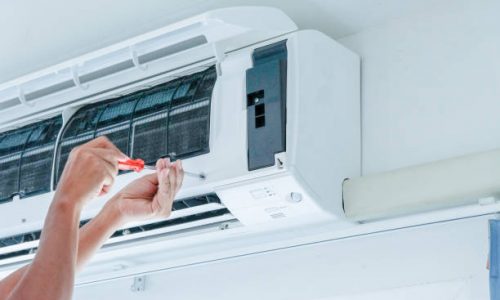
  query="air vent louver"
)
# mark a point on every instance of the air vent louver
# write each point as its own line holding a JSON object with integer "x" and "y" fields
{"x": 171, "y": 119}
{"x": 12, "y": 246}
{"x": 26, "y": 156}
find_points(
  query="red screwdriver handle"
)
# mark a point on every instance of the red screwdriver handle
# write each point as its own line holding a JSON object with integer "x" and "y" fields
{"x": 136, "y": 165}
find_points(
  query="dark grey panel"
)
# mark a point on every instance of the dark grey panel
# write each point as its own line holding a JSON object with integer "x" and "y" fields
{"x": 266, "y": 105}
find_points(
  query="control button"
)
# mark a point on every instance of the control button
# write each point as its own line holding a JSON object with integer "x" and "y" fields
{"x": 294, "y": 197}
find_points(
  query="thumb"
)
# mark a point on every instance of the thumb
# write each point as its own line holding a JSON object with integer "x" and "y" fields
{"x": 164, "y": 194}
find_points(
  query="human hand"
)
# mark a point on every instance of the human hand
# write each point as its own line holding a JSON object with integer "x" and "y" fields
{"x": 151, "y": 195}
{"x": 90, "y": 171}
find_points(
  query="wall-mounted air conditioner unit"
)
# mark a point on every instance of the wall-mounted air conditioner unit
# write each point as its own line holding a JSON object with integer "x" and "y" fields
{"x": 270, "y": 114}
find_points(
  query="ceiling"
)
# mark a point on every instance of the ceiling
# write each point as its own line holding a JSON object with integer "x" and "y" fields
{"x": 36, "y": 34}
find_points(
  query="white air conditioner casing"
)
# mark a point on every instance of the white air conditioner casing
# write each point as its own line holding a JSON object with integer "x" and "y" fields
{"x": 302, "y": 188}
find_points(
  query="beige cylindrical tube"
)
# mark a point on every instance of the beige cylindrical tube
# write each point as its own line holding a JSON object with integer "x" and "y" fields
{"x": 443, "y": 184}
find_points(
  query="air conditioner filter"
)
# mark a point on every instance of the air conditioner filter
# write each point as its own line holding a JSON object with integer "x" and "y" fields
{"x": 26, "y": 156}
{"x": 171, "y": 119}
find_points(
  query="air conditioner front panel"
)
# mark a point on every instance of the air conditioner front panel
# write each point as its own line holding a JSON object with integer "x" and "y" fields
{"x": 237, "y": 116}
{"x": 152, "y": 121}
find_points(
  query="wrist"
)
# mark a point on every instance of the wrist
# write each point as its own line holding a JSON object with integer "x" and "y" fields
{"x": 67, "y": 204}
{"x": 112, "y": 213}
{"x": 69, "y": 197}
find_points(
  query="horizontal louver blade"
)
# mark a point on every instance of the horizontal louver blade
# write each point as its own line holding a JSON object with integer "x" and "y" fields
{"x": 197, "y": 208}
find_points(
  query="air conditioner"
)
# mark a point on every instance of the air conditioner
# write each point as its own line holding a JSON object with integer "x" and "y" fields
{"x": 270, "y": 114}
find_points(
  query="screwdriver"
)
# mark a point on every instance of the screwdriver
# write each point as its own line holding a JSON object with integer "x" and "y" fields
{"x": 138, "y": 165}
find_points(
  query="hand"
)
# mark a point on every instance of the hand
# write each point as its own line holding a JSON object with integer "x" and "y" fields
{"x": 151, "y": 195}
{"x": 90, "y": 171}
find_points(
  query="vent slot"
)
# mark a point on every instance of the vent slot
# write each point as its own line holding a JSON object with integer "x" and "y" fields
{"x": 202, "y": 207}
{"x": 9, "y": 103}
{"x": 171, "y": 222}
{"x": 110, "y": 70}
{"x": 147, "y": 52}
{"x": 195, "y": 201}
{"x": 172, "y": 49}
{"x": 26, "y": 156}
{"x": 171, "y": 119}
{"x": 50, "y": 90}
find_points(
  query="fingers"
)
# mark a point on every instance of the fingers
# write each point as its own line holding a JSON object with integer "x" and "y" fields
{"x": 109, "y": 163}
{"x": 160, "y": 165}
{"x": 105, "y": 190}
{"x": 164, "y": 176}
{"x": 171, "y": 181}
{"x": 176, "y": 173}
{"x": 107, "y": 152}
{"x": 164, "y": 195}
{"x": 180, "y": 175}
{"x": 170, "y": 176}
{"x": 106, "y": 156}
{"x": 105, "y": 143}
{"x": 91, "y": 169}
{"x": 101, "y": 157}
{"x": 157, "y": 191}
{"x": 152, "y": 178}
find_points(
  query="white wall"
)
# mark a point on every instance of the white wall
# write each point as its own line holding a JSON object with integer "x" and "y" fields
{"x": 433, "y": 262}
{"x": 431, "y": 85}
{"x": 431, "y": 90}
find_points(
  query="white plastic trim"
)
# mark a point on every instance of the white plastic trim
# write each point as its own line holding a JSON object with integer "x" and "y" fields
{"x": 76, "y": 78}
{"x": 22, "y": 97}
{"x": 135, "y": 60}
{"x": 219, "y": 57}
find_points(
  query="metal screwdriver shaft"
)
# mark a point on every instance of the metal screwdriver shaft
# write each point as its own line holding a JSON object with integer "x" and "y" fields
{"x": 192, "y": 174}
{"x": 138, "y": 165}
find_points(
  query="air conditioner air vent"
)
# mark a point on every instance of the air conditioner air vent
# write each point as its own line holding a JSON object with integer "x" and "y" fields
{"x": 186, "y": 213}
{"x": 26, "y": 156}
{"x": 171, "y": 119}
{"x": 172, "y": 222}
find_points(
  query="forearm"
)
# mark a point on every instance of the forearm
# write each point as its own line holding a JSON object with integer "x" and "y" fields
{"x": 8, "y": 284}
{"x": 90, "y": 238}
{"x": 89, "y": 171}
{"x": 95, "y": 233}
{"x": 55, "y": 261}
